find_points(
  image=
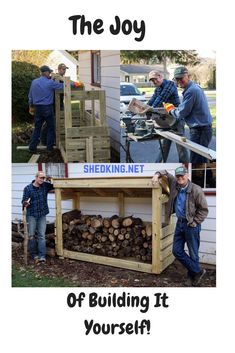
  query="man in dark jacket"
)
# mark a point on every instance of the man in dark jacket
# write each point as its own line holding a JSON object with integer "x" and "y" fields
{"x": 188, "y": 201}
{"x": 166, "y": 91}
{"x": 35, "y": 200}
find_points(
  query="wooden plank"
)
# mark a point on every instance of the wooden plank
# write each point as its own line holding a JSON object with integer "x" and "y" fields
{"x": 89, "y": 150}
{"x": 57, "y": 118}
{"x": 121, "y": 204}
{"x": 59, "y": 231}
{"x": 76, "y": 201}
{"x": 156, "y": 226}
{"x": 63, "y": 153}
{"x": 74, "y": 144}
{"x": 203, "y": 151}
{"x": 86, "y": 95}
{"x": 93, "y": 111}
{"x": 166, "y": 252}
{"x": 34, "y": 158}
{"x": 167, "y": 241}
{"x": 102, "y": 108}
{"x": 67, "y": 104}
{"x": 167, "y": 261}
{"x": 87, "y": 131}
{"x": 169, "y": 229}
{"x": 40, "y": 147}
{"x": 109, "y": 261}
{"x": 128, "y": 182}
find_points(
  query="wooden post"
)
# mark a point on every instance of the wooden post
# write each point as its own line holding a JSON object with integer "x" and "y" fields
{"x": 59, "y": 231}
{"x": 67, "y": 104}
{"x": 156, "y": 228}
{"x": 121, "y": 204}
{"x": 89, "y": 150}
{"x": 93, "y": 110}
{"x": 82, "y": 110}
{"x": 57, "y": 118}
{"x": 102, "y": 108}
{"x": 76, "y": 201}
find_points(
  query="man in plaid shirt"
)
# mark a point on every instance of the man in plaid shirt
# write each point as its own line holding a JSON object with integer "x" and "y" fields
{"x": 166, "y": 92}
{"x": 35, "y": 200}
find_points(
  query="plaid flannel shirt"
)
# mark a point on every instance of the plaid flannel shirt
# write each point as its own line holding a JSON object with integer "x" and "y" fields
{"x": 166, "y": 93}
{"x": 38, "y": 199}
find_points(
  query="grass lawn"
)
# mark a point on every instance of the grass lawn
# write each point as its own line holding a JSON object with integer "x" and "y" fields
{"x": 20, "y": 156}
{"x": 22, "y": 277}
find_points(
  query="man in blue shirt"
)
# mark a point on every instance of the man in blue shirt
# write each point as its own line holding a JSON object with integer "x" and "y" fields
{"x": 41, "y": 97}
{"x": 188, "y": 201}
{"x": 195, "y": 111}
{"x": 35, "y": 200}
{"x": 166, "y": 91}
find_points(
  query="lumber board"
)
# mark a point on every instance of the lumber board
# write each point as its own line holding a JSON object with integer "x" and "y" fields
{"x": 166, "y": 252}
{"x": 156, "y": 226}
{"x": 129, "y": 182}
{"x": 109, "y": 261}
{"x": 87, "y": 131}
{"x": 89, "y": 150}
{"x": 59, "y": 231}
{"x": 34, "y": 158}
{"x": 39, "y": 147}
{"x": 195, "y": 147}
{"x": 167, "y": 261}
{"x": 166, "y": 241}
{"x": 169, "y": 229}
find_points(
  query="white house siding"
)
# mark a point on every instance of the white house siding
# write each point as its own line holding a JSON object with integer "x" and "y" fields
{"x": 62, "y": 56}
{"x": 23, "y": 174}
{"x": 110, "y": 82}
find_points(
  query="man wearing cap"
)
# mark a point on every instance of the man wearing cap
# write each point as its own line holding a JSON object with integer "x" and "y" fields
{"x": 166, "y": 91}
{"x": 188, "y": 201}
{"x": 35, "y": 200}
{"x": 62, "y": 69}
{"x": 195, "y": 111}
{"x": 41, "y": 97}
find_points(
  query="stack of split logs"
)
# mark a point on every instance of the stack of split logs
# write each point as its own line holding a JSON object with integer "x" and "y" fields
{"x": 114, "y": 236}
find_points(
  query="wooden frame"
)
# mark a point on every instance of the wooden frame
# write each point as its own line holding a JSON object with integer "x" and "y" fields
{"x": 162, "y": 237}
{"x": 80, "y": 135}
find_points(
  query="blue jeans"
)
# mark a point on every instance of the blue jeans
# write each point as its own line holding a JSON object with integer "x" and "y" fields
{"x": 201, "y": 135}
{"x": 190, "y": 236}
{"x": 37, "y": 242}
{"x": 43, "y": 113}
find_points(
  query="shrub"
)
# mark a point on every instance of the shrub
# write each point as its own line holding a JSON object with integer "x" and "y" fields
{"x": 22, "y": 75}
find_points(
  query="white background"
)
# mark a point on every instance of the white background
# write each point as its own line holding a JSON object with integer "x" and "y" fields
{"x": 36, "y": 320}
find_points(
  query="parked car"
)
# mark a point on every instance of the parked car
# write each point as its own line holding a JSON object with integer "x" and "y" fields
{"x": 128, "y": 91}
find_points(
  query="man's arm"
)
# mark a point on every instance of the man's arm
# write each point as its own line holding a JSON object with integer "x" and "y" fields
{"x": 167, "y": 91}
{"x": 159, "y": 174}
{"x": 201, "y": 208}
{"x": 153, "y": 98}
{"x": 26, "y": 197}
{"x": 185, "y": 108}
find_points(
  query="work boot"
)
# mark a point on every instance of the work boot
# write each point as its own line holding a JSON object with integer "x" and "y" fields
{"x": 189, "y": 281}
{"x": 198, "y": 278}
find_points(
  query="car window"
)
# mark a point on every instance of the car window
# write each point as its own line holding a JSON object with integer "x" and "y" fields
{"x": 129, "y": 90}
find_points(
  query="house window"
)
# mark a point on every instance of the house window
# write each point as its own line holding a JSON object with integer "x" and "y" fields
{"x": 95, "y": 68}
{"x": 204, "y": 175}
{"x": 56, "y": 170}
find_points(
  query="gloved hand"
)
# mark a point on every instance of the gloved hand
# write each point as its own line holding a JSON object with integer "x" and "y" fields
{"x": 26, "y": 204}
{"x": 168, "y": 107}
{"x": 76, "y": 84}
{"x": 31, "y": 110}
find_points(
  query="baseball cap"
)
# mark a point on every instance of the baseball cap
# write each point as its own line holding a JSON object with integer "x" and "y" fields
{"x": 45, "y": 68}
{"x": 180, "y": 71}
{"x": 40, "y": 174}
{"x": 181, "y": 171}
{"x": 62, "y": 66}
{"x": 154, "y": 74}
